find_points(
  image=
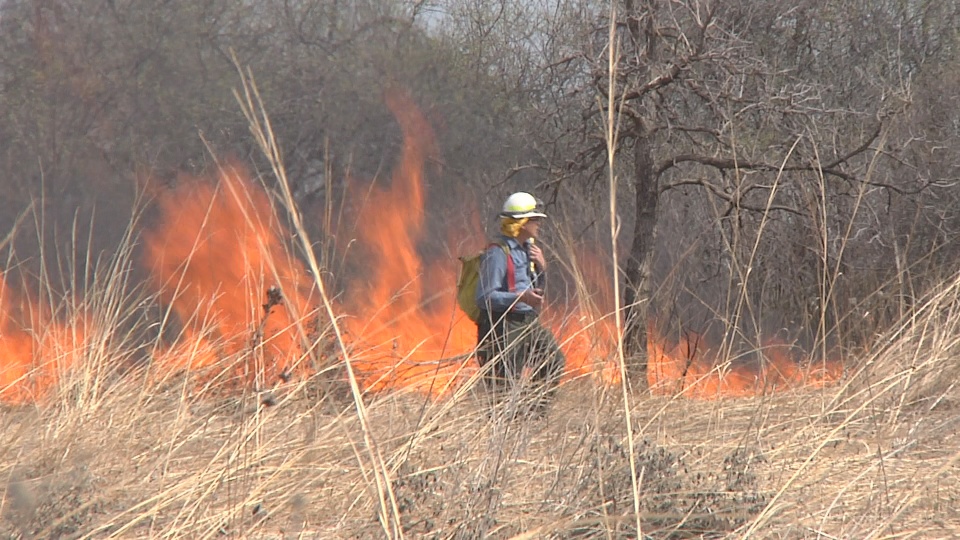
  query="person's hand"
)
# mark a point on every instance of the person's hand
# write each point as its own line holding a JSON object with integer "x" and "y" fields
{"x": 532, "y": 297}
{"x": 536, "y": 255}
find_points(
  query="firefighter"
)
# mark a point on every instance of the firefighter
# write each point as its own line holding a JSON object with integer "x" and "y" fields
{"x": 510, "y": 297}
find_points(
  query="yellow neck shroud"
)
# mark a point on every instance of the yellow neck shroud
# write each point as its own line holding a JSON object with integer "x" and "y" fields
{"x": 511, "y": 226}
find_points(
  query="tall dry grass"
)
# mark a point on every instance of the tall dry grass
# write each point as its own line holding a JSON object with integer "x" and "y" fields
{"x": 131, "y": 455}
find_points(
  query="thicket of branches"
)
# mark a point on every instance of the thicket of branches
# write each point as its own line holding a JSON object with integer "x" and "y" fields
{"x": 793, "y": 162}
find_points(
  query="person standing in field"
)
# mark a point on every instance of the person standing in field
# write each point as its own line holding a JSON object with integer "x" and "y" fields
{"x": 509, "y": 294}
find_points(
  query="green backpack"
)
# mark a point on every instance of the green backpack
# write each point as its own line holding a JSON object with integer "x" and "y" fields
{"x": 470, "y": 277}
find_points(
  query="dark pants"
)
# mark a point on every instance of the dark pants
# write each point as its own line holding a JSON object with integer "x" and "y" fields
{"x": 512, "y": 342}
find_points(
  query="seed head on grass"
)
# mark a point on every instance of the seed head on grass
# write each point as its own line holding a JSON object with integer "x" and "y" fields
{"x": 274, "y": 298}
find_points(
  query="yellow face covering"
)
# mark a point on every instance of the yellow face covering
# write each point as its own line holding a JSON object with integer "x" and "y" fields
{"x": 511, "y": 227}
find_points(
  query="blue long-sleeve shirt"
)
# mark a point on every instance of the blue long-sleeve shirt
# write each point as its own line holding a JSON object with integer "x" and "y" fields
{"x": 492, "y": 294}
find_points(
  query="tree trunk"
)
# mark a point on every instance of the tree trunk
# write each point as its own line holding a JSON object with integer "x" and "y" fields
{"x": 638, "y": 288}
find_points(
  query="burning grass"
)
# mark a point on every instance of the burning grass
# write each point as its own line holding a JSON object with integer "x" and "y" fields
{"x": 872, "y": 457}
{"x": 123, "y": 446}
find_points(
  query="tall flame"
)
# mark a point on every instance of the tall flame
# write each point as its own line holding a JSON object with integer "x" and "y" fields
{"x": 218, "y": 258}
{"x": 246, "y": 307}
{"x": 403, "y": 321}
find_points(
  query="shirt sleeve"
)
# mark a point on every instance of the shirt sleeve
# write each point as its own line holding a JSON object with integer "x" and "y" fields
{"x": 493, "y": 273}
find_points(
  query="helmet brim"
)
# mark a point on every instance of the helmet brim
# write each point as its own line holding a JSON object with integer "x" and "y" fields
{"x": 521, "y": 215}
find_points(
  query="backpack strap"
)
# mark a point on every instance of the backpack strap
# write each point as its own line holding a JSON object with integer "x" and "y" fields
{"x": 511, "y": 269}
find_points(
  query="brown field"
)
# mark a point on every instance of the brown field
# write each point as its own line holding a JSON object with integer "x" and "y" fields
{"x": 147, "y": 455}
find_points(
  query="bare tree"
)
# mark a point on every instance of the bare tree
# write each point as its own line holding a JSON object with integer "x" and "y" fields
{"x": 774, "y": 118}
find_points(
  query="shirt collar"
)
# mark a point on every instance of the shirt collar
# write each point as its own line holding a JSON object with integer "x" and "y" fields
{"x": 512, "y": 242}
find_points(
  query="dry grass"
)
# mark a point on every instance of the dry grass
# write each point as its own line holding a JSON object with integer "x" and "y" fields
{"x": 874, "y": 456}
{"x": 138, "y": 452}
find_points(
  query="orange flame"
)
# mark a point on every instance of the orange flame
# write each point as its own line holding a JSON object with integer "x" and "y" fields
{"x": 35, "y": 349}
{"x": 588, "y": 333}
{"x": 693, "y": 368}
{"x": 404, "y": 325}
{"x": 219, "y": 262}
{"x": 219, "y": 248}
{"x": 247, "y": 308}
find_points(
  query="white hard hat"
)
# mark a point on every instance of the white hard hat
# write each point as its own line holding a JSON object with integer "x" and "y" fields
{"x": 522, "y": 205}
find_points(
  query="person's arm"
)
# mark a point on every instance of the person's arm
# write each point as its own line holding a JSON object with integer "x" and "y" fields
{"x": 493, "y": 275}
